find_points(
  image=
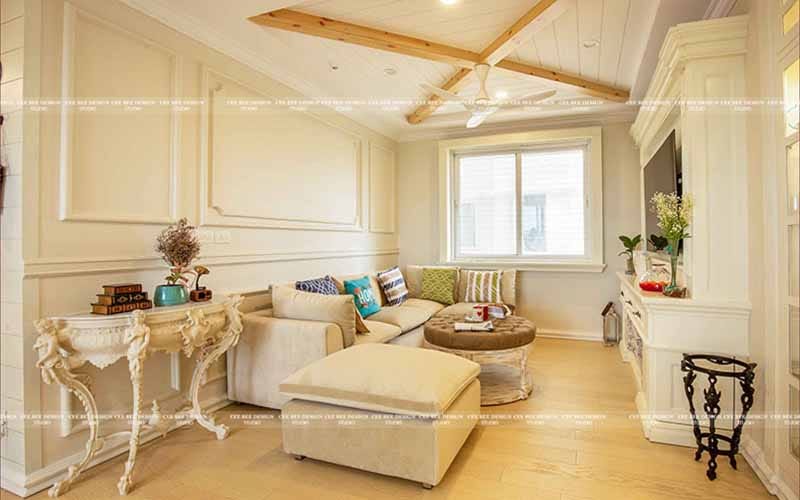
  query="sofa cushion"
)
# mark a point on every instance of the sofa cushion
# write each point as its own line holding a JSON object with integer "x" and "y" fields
{"x": 402, "y": 380}
{"x": 379, "y": 333}
{"x": 428, "y": 305}
{"x": 393, "y": 285}
{"x": 413, "y": 276}
{"x": 324, "y": 285}
{"x": 403, "y": 316}
{"x": 459, "y": 308}
{"x": 439, "y": 285}
{"x": 363, "y": 296}
{"x": 293, "y": 304}
{"x": 373, "y": 281}
{"x": 508, "y": 286}
{"x": 482, "y": 286}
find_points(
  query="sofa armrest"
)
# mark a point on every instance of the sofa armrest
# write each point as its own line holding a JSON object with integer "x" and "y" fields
{"x": 271, "y": 349}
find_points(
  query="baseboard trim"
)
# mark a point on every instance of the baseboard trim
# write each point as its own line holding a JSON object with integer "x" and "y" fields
{"x": 41, "y": 479}
{"x": 570, "y": 335}
{"x": 755, "y": 457}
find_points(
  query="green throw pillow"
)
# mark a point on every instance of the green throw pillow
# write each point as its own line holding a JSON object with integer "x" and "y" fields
{"x": 439, "y": 284}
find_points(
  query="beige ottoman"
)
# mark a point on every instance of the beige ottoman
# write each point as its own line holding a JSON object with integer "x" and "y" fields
{"x": 394, "y": 410}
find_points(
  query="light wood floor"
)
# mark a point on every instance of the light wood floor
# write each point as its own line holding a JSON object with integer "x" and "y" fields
{"x": 559, "y": 459}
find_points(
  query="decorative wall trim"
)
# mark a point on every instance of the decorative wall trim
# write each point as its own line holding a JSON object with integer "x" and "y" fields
{"x": 772, "y": 482}
{"x": 376, "y": 193}
{"x": 569, "y": 335}
{"x": 213, "y": 213}
{"x": 27, "y": 485}
{"x": 66, "y": 210}
{"x": 626, "y": 115}
{"x": 58, "y": 267}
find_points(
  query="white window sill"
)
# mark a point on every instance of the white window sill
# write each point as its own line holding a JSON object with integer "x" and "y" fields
{"x": 532, "y": 266}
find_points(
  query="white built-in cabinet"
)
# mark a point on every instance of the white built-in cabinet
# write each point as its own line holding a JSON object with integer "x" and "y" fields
{"x": 700, "y": 63}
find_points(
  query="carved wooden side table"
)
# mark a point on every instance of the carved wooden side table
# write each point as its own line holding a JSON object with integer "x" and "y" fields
{"x": 68, "y": 342}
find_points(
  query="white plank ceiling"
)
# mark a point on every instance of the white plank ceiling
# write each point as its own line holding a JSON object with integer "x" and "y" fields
{"x": 620, "y": 28}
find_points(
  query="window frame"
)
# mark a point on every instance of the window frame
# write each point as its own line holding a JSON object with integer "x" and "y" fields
{"x": 589, "y": 138}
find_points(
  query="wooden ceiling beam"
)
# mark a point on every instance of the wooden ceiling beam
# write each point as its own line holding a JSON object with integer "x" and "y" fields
{"x": 588, "y": 86}
{"x": 494, "y": 54}
{"x": 332, "y": 29}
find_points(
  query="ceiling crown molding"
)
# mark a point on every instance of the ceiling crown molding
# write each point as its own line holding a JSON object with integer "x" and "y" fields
{"x": 201, "y": 32}
{"x": 578, "y": 120}
{"x": 686, "y": 42}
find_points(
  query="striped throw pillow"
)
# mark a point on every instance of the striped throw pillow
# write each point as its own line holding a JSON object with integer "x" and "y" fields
{"x": 483, "y": 286}
{"x": 393, "y": 285}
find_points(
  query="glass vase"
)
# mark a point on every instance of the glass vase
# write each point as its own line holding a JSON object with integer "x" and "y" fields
{"x": 673, "y": 268}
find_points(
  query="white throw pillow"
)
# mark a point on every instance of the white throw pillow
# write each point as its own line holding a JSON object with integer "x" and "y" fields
{"x": 289, "y": 303}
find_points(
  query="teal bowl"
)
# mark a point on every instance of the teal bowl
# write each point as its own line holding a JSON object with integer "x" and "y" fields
{"x": 170, "y": 295}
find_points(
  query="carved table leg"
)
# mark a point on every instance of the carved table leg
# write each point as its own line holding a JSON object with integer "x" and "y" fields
{"x": 524, "y": 382}
{"x": 56, "y": 367}
{"x": 208, "y": 356}
{"x": 138, "y": 337}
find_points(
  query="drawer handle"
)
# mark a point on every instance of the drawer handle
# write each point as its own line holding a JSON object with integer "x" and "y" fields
{"x": 629, "y": 302}
{"x": 637, "y": 314}
{"x": 621, "y": 293}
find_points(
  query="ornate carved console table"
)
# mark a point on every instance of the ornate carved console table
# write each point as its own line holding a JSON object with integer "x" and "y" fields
{"x": 68, "y": 342}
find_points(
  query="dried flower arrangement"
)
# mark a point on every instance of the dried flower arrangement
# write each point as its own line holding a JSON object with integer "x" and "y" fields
{"x": 178, "y": 246}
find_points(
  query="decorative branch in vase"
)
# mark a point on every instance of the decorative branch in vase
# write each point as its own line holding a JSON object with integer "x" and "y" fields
{"x": 674, "y": 217}
{"x": 178, "y": 246}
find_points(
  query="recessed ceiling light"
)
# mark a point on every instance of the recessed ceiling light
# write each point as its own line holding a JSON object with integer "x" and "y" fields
{"x": 501, "y": 94}
{"x": 590, "y": 44}
{"x": 389, "y": 71}
{"x": 449, "y": 2}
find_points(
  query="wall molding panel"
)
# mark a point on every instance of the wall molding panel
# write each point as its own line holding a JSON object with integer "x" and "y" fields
{"x": 76, "y": 111}
{"x": 382, "y": 190}
{"x": 54, "y": 268}
{"x": 303, "y": 174}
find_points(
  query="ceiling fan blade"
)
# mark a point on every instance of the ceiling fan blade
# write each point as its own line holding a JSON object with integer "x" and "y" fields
{"x": 478, "y": 117}
{"x": 444, "y": 94}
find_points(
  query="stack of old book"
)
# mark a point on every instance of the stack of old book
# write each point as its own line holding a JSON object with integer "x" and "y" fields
{"x": 121, "y": 298}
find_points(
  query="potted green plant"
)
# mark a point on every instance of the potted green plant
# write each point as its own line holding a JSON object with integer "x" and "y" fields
{"x": 630, "y": 244}
{"x": 178, "y": 246}
{"x": 674, "y": 216}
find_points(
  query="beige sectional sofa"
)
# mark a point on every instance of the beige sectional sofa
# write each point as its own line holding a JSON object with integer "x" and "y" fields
{"x": 270, "y": 349}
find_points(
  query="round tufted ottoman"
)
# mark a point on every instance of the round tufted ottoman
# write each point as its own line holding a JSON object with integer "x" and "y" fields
{"x": 502, "y": 354}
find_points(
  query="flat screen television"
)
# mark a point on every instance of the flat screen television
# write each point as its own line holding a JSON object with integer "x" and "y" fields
{"x": 662, "y": 173}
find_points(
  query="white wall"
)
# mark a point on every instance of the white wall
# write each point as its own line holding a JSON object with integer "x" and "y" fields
{"x": 558, "y": 302}
{"x": 286, "y": 195}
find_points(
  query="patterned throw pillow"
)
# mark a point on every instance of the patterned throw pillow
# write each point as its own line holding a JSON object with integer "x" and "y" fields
{"x": 325, "y": 286}
{"x": 483, "y": 286}
{"x": 364, "y": 298}
{"x": 394, "y": 286}
{"x": 439, "y": 284}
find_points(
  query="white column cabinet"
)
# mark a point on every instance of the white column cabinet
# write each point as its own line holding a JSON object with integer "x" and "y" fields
{"x": 701, "y": 70}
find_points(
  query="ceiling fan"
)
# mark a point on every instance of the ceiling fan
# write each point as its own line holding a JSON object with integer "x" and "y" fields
{"x": 482, "y": 106}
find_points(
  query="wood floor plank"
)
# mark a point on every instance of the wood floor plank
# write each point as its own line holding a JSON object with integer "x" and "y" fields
{"x": 545, "y": 448}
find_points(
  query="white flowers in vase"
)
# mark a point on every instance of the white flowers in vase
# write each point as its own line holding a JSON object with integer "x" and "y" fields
{"x": 674, "y": 217}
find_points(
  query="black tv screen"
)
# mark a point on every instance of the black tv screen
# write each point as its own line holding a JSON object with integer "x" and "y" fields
{"x": 662, "y": 174}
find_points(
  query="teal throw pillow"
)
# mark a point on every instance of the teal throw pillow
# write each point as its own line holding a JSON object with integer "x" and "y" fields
{"x": 363, "y": 295}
